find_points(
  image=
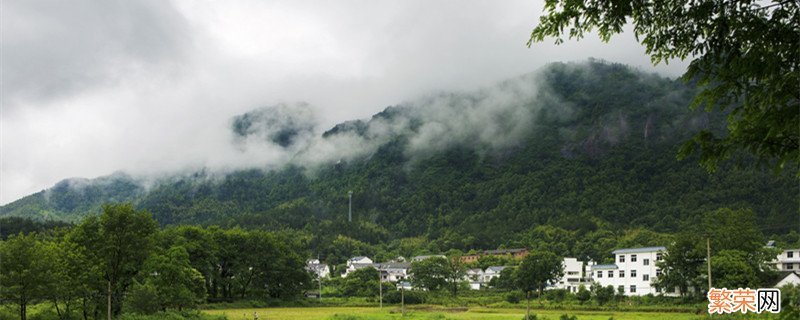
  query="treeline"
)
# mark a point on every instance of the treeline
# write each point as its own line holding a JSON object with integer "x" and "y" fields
{"x": 122, "y": 258}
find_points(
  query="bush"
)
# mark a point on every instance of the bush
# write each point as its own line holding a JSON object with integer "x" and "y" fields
{"x": 530, "y": 317}
{"x": 513, "y": 297}
{"x": 568, "y": 317}
{"x": 411, "y": 297}
{"x": 557, "y": 295}
{"x": 171, "y": 315}
{"x": 142, "y": 299}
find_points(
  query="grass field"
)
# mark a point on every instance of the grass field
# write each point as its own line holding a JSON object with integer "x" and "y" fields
{"x": 342, "y": 313}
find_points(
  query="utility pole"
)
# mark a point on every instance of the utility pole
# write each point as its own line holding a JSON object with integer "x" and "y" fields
{"x": 109, "y": 300}
{"x": 350, "y": 207}
{"x": 402, "y": 301}
{"x": 708, "y": 260}
{"x": 528, "y": 308}
{"x": 380, "y": 288}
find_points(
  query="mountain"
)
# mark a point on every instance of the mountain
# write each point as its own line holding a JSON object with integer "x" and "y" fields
{"x": 579, "y": 147}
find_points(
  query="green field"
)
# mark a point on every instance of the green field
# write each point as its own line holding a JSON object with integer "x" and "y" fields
{"x": 438, "y": 313}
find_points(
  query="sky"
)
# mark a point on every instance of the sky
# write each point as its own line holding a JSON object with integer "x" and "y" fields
{"x": 149, "y": 87}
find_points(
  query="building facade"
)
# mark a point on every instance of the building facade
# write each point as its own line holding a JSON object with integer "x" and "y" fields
{"x": 788, "y": 260}
{"x": 634, "y": 271}
{"x": 576, "y": 273}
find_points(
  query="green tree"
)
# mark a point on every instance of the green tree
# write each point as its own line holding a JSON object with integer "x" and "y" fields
{"x": 505, "y": 280}
{"x": 177, "y": 284}
{"x": 429, "y": 274}
{"x": 26, "y": 271}
{"x": 602, "y": 294}
{"x": 737, "y": 230}
{"x": 537, "y": 270}
{"x": 583, "y": 294}
{"x": 121, "y": 239}
{"x": 76, "y": 277}
{"x": 683, "y": 263}
{"x": 745, "y": 57}
{"x": 731, "y": 269}
{"x": 361, "y": 283}
{"x": 438, "y": 273}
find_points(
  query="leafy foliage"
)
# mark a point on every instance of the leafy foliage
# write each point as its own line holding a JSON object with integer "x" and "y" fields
{"x": 745, "y": 58}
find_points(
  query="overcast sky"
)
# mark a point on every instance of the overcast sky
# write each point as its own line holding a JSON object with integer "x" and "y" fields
{"x": 149, "y": 87}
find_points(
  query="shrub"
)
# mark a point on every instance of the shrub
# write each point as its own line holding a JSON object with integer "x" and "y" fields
{"x": 411, "y": 297}
{"x": 513, "y": 297}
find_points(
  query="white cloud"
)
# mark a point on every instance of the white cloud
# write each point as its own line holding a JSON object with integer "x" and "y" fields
{"x": 149, "y": 87}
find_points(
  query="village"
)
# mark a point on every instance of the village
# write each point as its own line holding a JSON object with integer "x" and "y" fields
{"x": 633, "y": 273}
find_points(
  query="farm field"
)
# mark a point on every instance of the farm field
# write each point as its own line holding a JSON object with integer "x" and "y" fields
{"x": 456, "y": 314}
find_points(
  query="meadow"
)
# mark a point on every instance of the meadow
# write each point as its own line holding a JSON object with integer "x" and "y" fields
{"x": 473, "y": 313}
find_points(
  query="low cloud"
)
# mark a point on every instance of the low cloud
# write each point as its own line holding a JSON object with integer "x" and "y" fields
{"x": 150, "y": 88}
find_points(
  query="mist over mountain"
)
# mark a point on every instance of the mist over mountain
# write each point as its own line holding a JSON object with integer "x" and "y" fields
{"x": 578, "y": 146}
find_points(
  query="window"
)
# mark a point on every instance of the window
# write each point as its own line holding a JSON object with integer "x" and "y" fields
{"x": 788, "y": 266}
{"x": 610, "y": 273}
{"x": 633, "y": 273}
{"x": 789, "y": 254}
{"x": 645, "y": 277}
{"x": 646, "y": 262}
{"x": 658, "y": 256}
{"x": 622, "y": 258}
{"x": 658, "y": 290}
{"x": 633, "y": 258}
{"x": 599, "y": 274}
{"x": 633, "y": 288}
{"x": 622, "y": 273}
{"x": 658, "y": 272}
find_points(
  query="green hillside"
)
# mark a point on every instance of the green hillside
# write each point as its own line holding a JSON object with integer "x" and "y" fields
{"x": 586, "y": 152}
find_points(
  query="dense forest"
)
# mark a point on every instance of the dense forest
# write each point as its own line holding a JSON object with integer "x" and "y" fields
{"x": 579, "y": 158}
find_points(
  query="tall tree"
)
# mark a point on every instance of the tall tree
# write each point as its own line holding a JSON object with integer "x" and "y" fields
{"x": 177, "y": 285}
{"x": 537, "y": 270}
{"x": 745, "y": 58}
{"x": 430, "y": 274}
{"x": 121, "y": 239}
{"x": 682, "y": 263}
{"x": 26, "y": 271}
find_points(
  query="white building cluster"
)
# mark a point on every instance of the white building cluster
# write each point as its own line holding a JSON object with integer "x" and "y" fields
{"x": 633, "y": 273}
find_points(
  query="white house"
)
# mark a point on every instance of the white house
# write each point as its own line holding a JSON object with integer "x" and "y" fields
{"x": 788, "y": 260}
{"x": 633, "y": 272}
{"x": 358, "y": 260}
{"x": 789, "y": 278}
{"x": 491, "y": 273}
{"x": 575, "y": 274}
{"x": 393, "y": 271}
{"x": 356, "y": 263}
{"x": 320, "y": 269}
{"x": 420, "y": 258}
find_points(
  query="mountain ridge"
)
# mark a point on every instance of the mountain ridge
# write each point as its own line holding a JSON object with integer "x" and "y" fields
{"x": 469, "y": 169}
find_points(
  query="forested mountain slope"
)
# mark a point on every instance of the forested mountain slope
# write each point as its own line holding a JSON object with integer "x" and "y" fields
{"x": 580, "y": 147}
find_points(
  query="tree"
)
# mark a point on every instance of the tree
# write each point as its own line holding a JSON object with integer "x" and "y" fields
{"x": 430, "y": 273}
{"x": 602, "y": 294}
{"x": 505, "y": 280}
{"x": 537, "y": 270}
{"x": 26, "y": 271}
{"x": 176, "y": 283}
{"x": 121, "y": 239}
{"x": 583, "y": 295}
{"x": 438, "y": 273}
{"x": 683, "y": 263}
{"x": 362, "y": 283}
{"x": 731, "y": 269}
{"x": 745, "y": 57}
{"x": 737, "y": 230}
